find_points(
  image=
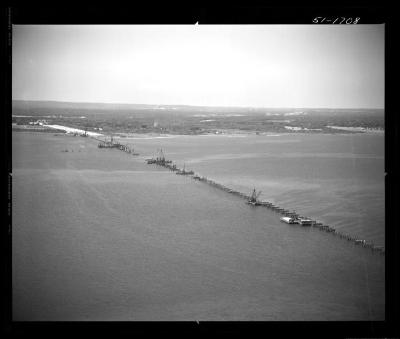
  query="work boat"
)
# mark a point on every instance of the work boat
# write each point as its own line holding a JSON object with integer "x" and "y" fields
{"x": 289, "y": 220}
{"x": 306, "y": 221}
{"x": 301, "y": 221}
{"x": 253, "y": 200}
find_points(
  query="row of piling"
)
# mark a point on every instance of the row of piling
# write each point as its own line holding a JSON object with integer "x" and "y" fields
{"x": 326, "y": 228}
{"x": 161, "y": 161}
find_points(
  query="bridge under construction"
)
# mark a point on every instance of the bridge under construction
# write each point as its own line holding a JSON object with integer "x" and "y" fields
{"x": 290, "y": 217}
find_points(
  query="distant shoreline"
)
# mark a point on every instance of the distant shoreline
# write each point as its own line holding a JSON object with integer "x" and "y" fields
{"x": 121, "y": 105}
{"x": 337, "y": 130}
{"x": 182, "y": 120}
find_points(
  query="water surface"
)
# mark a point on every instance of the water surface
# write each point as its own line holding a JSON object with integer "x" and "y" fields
{"x": 100, "y": 235}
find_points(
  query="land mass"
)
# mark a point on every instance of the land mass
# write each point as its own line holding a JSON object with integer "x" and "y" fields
{"x": 192, "y": 120}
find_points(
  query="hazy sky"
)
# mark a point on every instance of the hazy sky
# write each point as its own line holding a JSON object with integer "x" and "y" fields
{"x": 338, "y": 66}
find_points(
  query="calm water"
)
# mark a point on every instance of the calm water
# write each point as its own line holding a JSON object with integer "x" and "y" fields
{"x": 99, "y": 235}
{"x": 338, "y": 179}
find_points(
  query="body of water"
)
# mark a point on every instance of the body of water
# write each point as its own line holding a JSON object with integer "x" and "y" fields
{"x": 100, "y": 235}
{"x": 337, "y": 179}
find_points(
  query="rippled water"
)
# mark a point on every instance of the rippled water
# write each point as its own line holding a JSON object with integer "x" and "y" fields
{"x": 100, "y": 235}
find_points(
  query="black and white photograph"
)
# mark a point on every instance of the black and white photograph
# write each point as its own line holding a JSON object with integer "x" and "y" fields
{"x": 198, "y": 172}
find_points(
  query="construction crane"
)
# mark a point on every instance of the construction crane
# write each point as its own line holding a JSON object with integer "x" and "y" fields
{"x": 253, "y": 200}
{"x": 161, "y": 156}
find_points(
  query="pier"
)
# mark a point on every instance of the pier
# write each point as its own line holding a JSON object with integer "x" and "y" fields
{"x": 253, "y": 200}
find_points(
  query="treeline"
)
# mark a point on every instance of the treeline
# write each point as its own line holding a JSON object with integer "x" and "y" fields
{"x": 179, "y": 121}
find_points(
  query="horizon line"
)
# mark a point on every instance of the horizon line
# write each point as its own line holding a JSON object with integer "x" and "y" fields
{"x": 192, "y": 105}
